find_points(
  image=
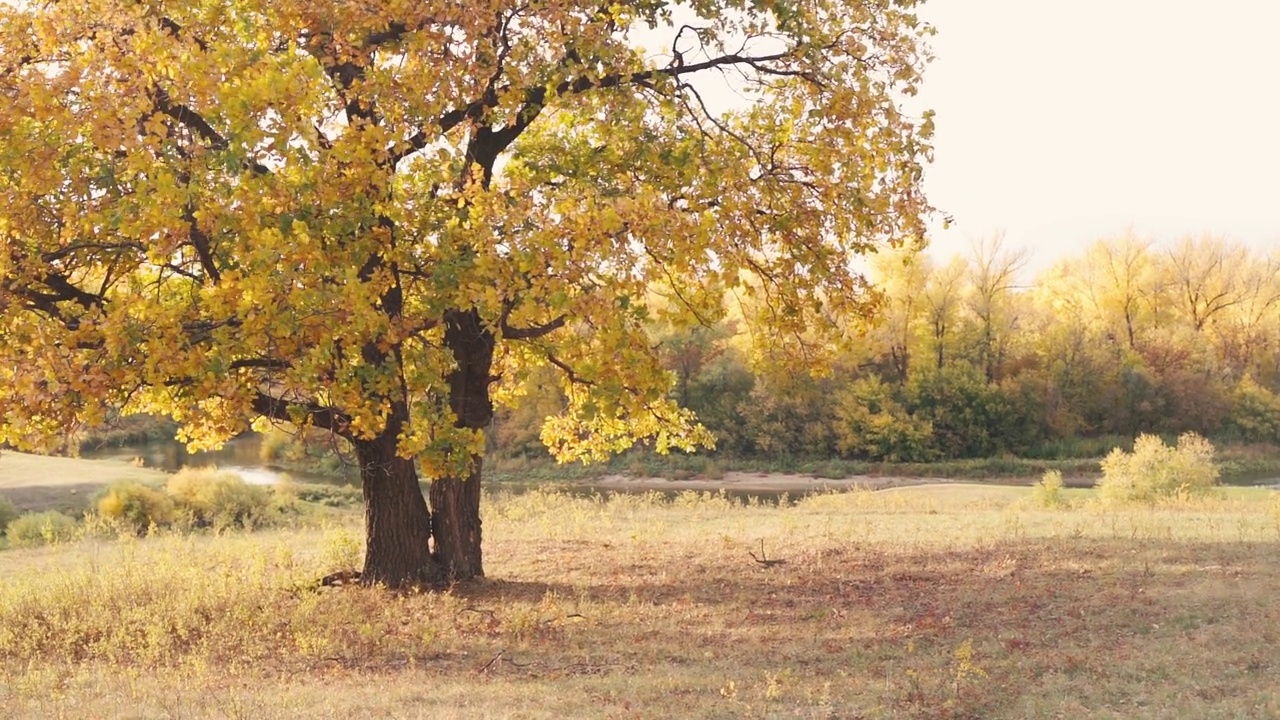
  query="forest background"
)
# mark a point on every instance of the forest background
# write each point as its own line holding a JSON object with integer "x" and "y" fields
{"x": 971, "y": 358}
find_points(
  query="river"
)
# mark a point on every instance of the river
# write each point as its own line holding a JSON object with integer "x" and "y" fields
{"x": 241, "y": 455}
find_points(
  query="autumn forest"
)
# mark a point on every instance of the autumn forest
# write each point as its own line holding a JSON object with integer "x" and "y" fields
{"x": 976, "y": 356}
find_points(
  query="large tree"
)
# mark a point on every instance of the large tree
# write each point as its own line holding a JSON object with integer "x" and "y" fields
{"x": 374, "y": 218}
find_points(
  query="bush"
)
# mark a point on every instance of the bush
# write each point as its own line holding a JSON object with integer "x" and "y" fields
{"x": 793, "y": 416}
{"x": 41, "y": 528}
{"x": 1255, "y": 413}
{"x": 1048, "y": 492}
{"x": 8, "y": 513}
{"x": 274, "y": 446}
{"x": 972, "y": 418}
{"x": 874, "y": 426}
{"x": 1155, "y": 470}
{"x": 341, "y": 550}
{"x": 338, "y": 496}
{"x": 136, "y": 505}
{"x": 219, "y": 499}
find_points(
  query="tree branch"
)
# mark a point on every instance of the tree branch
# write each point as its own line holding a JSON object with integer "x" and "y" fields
{"x": 200, "y": 242}
{"x": 569, "y": 371}
{"x": 197, "y": 124}
{"x": 536, "y": 97}
{"x": 531, "y": 333}
{"x": 282, "y": 410}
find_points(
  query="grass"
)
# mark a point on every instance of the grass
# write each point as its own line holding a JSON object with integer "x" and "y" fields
{"x": 954, "y": 601}
{"x": 40, "y": 482}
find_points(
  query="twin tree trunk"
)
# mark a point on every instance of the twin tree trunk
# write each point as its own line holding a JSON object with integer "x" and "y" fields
{"x": 407, "y": 543}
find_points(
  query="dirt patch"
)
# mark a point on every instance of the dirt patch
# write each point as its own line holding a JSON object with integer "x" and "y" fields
{"x": 762, "y": 482}
{"x": 748, "y": 482}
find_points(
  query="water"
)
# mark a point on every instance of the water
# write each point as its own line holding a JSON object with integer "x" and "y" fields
{"x": 241, "y": 455}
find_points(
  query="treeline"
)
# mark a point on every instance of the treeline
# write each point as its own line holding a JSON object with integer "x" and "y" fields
{"x": 969, "y": 359}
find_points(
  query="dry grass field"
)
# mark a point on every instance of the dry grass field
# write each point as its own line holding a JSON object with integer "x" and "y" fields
{"x": 953, "y": 601}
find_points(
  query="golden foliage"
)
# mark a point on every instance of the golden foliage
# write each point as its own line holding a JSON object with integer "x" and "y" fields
{"x": 222, "y": 211}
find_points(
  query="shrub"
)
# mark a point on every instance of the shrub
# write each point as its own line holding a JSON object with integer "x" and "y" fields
{"x": 136, "y": 505}
{"x": 341, "y": 550}
{"x": 274, "y": 446}
{"x": 873, "y": 425}
{"x": 331, "y": 495}
{"x": 219, "y": 499}
{"x": 1048, "y": 492}
{"x": 41, "y": 528}
{"x": 790, "y": 416}
{"x": 1155, "y": 470}
{"x": 8, "y": 513}
{"x": 1255, "y": 413}
{"x": 970, "y": 417}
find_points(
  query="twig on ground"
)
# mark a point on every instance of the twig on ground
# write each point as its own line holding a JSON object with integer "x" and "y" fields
{"x": 494, "y": 659}
{"x": 764, "y": 561}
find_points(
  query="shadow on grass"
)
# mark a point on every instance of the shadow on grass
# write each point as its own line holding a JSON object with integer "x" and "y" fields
{"x": 1062, "y": 627}
{"x": 72, "y": 499}
{"x": 1092, "y": 622}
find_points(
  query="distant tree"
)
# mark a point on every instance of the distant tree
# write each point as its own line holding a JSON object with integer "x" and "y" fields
{"x": 713, "y": 379}
{"x": 369, "y": 218}
{"x": 993, "y": 281}
{"x": 1206, "y": 277}
{"x": 901, "y": 276}
{"x": 943, "y": 298}
{"x": 1118, "y": 279}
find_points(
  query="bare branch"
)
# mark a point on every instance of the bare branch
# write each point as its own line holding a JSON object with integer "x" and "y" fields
{"x": 537, "y": 97}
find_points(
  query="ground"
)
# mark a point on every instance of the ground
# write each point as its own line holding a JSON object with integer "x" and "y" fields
{"x": 772, "y": 483}
{"x": 38, "y": 482}
{"x": 939, "y": 601}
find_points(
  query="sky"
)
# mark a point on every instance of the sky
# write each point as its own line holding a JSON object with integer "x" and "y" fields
{"x": 1060, "y": 123}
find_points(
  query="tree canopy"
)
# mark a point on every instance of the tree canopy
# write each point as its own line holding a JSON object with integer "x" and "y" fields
{"x": 376, "y": 218}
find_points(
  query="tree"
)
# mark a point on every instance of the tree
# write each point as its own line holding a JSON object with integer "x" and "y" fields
{"x": 1117, "y": 278}
{"x": 901, "y": 276}
{"x": 993, "y": 275}
{"x": 371, "y": 218}
{"x": 942, "y": 297}
{"x": 1205, "y": 275}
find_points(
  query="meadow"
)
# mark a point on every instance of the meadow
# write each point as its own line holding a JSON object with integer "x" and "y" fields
{"x": 955, "y": 601}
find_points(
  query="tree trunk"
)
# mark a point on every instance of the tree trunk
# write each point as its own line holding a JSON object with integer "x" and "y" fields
{"x": 455, "y": 501}
{"x": 456, "y": 506}
{"x": 397, "y": 522}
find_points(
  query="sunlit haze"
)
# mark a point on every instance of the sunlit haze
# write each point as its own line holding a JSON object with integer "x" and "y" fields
{"x": 1062, "y": 123}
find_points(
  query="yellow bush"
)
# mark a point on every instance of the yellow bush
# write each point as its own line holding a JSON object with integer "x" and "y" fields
{"x": 1048, "y": 492}
{"x": 220, "y": 499}
{"x": 1155, "y": 470}
{"x": 136, "y": 505}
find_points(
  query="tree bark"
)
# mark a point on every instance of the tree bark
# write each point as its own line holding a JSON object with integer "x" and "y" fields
{"x": 456, "y": 531}
{"x": 455, "y": 501}
{"x": 397, "y": 522}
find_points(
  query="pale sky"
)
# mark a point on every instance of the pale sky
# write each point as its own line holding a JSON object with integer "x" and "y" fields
{"x": 1065, "y": 122}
